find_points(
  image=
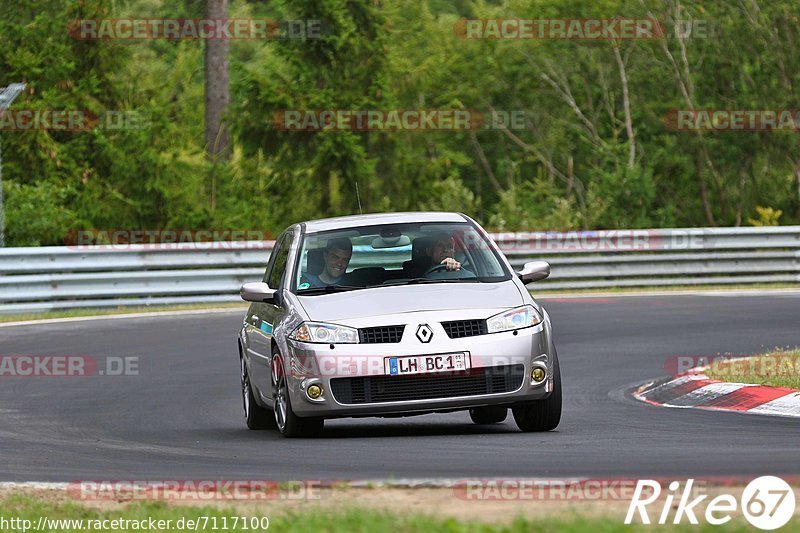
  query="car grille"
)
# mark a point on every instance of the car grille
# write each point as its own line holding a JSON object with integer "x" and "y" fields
{"x": 382, "y": 334}
{"x": 473, "y": 382}
{"x": 465, "y": 328}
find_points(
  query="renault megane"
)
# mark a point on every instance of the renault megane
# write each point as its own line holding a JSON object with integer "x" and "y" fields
{"x": 392, "y": 315}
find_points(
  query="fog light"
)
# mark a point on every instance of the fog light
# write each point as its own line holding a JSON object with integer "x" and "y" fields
{"x": 314, "y": 392}
{"x": 537, "y": 374}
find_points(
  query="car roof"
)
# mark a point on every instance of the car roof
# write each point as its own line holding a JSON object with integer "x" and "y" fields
{"x": 325, "y": 224}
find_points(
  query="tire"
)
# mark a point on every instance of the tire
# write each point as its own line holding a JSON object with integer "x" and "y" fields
{"x": 492, "y": 414}
{"x": 289, "y": 424}
{"x": 541, "y": 415}
{"x": 255, "y": 416}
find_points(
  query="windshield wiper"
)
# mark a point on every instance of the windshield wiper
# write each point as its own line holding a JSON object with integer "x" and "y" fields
{"x": 327, "y": 289}
{"x": 415, "y": 281}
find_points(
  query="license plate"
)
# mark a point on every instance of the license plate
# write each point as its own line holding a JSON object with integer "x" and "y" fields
{"x": 426, "y": 364}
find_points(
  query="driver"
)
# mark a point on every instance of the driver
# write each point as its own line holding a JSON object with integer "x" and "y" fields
{"x": 337, "y": 256}
{"x": 441, "y": 250}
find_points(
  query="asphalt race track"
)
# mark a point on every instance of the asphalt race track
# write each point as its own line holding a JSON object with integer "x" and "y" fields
{"x": 181, "y": 417}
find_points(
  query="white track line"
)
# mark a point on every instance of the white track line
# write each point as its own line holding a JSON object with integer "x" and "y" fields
{"x": 353, "y": 484}
{"x": 125, "y": 316}
{"x": 11, "y": 485}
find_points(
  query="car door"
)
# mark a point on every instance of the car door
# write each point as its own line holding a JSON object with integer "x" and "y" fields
{"x": 269, "y": 314}
{"x": 257, "y": 340}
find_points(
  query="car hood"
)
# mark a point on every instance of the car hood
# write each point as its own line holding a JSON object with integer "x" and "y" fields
{"x": 411, "y": 298}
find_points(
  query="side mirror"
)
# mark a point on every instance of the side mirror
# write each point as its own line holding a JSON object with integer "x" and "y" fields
{"x": 534, "y": 271}
{"x": 257, "y": 291}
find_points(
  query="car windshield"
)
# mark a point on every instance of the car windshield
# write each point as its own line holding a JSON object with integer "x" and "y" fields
{"x": 395, "y": 254}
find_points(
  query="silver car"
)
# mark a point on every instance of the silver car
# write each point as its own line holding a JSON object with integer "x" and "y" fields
{"x": 395, "y": 314}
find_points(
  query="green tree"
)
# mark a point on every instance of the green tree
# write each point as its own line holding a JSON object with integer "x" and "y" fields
{"x": 317, "y": 172}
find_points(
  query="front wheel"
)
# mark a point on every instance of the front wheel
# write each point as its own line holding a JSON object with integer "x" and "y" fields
{"x": 288, "y": 423}
{"x": 492, "y": 414}
{"x": 541, "y": 415}
{"x": 256, "y": 416}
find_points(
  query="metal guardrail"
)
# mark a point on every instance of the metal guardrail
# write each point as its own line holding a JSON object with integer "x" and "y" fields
{"x": 49, "y": 278}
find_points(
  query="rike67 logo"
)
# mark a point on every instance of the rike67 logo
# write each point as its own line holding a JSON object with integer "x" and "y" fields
{"x": 767, "y": 502}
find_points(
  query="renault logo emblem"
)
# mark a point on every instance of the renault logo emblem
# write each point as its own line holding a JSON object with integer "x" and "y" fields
{"x": 424, "y": 333}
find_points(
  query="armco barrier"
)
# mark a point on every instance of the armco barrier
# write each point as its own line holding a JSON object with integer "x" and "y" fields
{"x": 48, "y": 278}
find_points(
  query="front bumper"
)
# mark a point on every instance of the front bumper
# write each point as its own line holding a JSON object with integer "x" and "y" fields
{"x": 511, "y": 353}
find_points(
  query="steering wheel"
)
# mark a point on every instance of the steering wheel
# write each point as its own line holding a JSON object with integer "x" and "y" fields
{"x": 438, "y": 268}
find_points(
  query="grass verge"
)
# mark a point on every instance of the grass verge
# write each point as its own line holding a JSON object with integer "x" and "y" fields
{"x": 780, "y": 368}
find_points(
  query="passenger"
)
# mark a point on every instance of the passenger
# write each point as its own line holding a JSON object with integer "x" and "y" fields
{"x": 336, "y": 257}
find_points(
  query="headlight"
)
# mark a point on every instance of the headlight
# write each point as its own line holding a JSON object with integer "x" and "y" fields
{"x": 324, "y": 333}
{"x": 521, "y": 317}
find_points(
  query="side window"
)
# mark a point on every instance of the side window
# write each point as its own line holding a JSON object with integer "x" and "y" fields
{"x": 272, "y": 256}
{"x": 279, "y": 267}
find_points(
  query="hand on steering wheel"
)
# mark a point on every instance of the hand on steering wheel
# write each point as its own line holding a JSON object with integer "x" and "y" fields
{"x": 436, "y": 268}
{"x": 448, "y": 265}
